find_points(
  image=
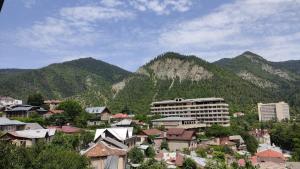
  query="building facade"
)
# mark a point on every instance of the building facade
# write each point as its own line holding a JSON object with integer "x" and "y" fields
{"x": 206, "y": 111}
{"x": 273, "y": 111}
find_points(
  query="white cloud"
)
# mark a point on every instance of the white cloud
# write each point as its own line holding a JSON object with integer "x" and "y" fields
{"x": 112, "y": 3}
{"x": 72, "y": 27}
{"x": 248, "y": 24}
{"x": 161, "y": 6}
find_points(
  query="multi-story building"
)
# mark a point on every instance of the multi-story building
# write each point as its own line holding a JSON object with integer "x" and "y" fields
{"x": 206, "y": 111}
{"x": 273, "y": 111}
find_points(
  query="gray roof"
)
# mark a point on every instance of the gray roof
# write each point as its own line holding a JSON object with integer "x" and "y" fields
{"x": 189, "y": 100}
{"x": 95, "y": 109}
{"x": 33, "y": 126}
{"x": 38, "y": 133}
{"x": 25, "y": 108}
{"x": 124, "y": 122}
{"x": 115, "y": 142}
{"x": 5, "y": 121}
{"x": 175, "y": 119}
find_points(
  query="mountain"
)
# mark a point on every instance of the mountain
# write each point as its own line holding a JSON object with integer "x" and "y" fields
{"x": 242, "y": 81}
{"x": 173, "y": 75}
{"x": 277, "y": 77}
{"x": 86, "y": 78}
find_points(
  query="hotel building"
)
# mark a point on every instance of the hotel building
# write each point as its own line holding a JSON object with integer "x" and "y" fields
{"x": 273, "y": 111}
{"x": 206, "y": 111}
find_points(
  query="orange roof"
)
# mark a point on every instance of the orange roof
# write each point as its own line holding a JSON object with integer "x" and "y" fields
{"x": 270, "y": 154}
{"x": 120, "y": 115}
{"x": 152, "y": 132}
{"x": 102, "y": 150}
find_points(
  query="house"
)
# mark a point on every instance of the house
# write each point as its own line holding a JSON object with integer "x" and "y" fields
{"x": 103, "y": 156}
{"x": 220, "y": 141}
{"x": 52, "y": 112}
{"x": 155, "y": 135}
{"x": 120, "y": 116}
{"x": 120, "y": 134}
{"x": 177, "y": 122}
{"x": 6, "y": 101}
{"x": 172, "y": 159}
{"x": 32, "y": 126}
{"x": 66, "y": 129}
{"x": 261, "y": 135}
{"x": 270, "y": 157}
{"x": 101, "y": 115}
{"x": 179, "y": 138}
{"x": 238, "y": 114}
{"x": 27, "y": 138}
{"x": 23, "y": 111}
{"x": 7, "y": 125}
{"x": 123, "y": 123}
{"x": 240, "y": 143}
{"x": 53, "y": 104}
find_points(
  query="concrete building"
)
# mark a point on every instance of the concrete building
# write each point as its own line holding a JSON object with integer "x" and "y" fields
{"x": 101, "y": 115}
{"x": 207, "y": 111}
{"x": 7, "y": 125}
{"x": 273, "y": 111}
{"x": 177, "y": 122}
{"x": 23, "y": 111}
{"x": 179, "y": 139}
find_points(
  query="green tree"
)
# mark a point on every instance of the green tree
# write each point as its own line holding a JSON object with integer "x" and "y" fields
{"x": 164, "y": 145}
{"x": 219, "y": 155}
{"x": 201, "y": 152}
{"x": 150, "y": 152}
{"x": 188, "y": 163}
{"x": 153, "y": 164}
{"x": 71, "y": 108}
{"x": 250, "y": 141}
{"x": 218, "y": 131}
{"x": 215, "y": 164}
{"x": 136, "y": 155}
{"x": 35, "y": 99}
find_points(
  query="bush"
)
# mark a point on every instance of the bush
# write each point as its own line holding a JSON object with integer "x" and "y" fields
{"x": 189, "y": 164}
{"x": 136, "y": 155}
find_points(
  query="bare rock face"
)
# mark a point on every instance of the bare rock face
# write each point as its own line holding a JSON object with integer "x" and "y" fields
{"x": 277, "y": 72}
{"x": 176, "y": 68}
{"x": 256, "y": 80}
{"x": 118, "y": 87}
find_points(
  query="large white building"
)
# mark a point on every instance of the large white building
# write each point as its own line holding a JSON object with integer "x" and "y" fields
{"x": 273, "y": 111}
{"x": 206, "y": 111}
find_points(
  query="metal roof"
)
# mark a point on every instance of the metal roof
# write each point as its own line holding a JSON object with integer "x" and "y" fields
{"x": 175, "y": 119}
{"x": 5, "y": 121}
{"x": 33, "y": 126}
{"x": 120, "y": 133}
{"x": 189, "y": 100}
{"x": 38, "y": 133}
{"x": 124, "y": 122}
{"x": 95, "y": 109}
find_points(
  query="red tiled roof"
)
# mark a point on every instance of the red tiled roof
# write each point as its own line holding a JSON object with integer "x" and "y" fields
{"x": 152, "y": 132}
{"x": 179, "y": 160}
{"x": 241, "y": 162}
{"x": 180, "y": 134}
{"x": 120, "y": 115}
{"x": 66, "y": 129}
{"x": 102, "y": 150}
{"x": 270, "y": 154}
{"x": 175, "y": 131}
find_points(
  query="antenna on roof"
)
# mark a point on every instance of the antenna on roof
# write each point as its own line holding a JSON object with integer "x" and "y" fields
{"x": 1, "y": 4}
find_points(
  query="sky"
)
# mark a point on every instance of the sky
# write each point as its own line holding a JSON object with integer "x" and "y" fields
{"x": 129, "y": 33}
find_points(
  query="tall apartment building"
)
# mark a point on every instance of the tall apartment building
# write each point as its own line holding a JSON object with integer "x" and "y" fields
{"x": 273, "y": 111}
{"x": 205, "y": 110}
